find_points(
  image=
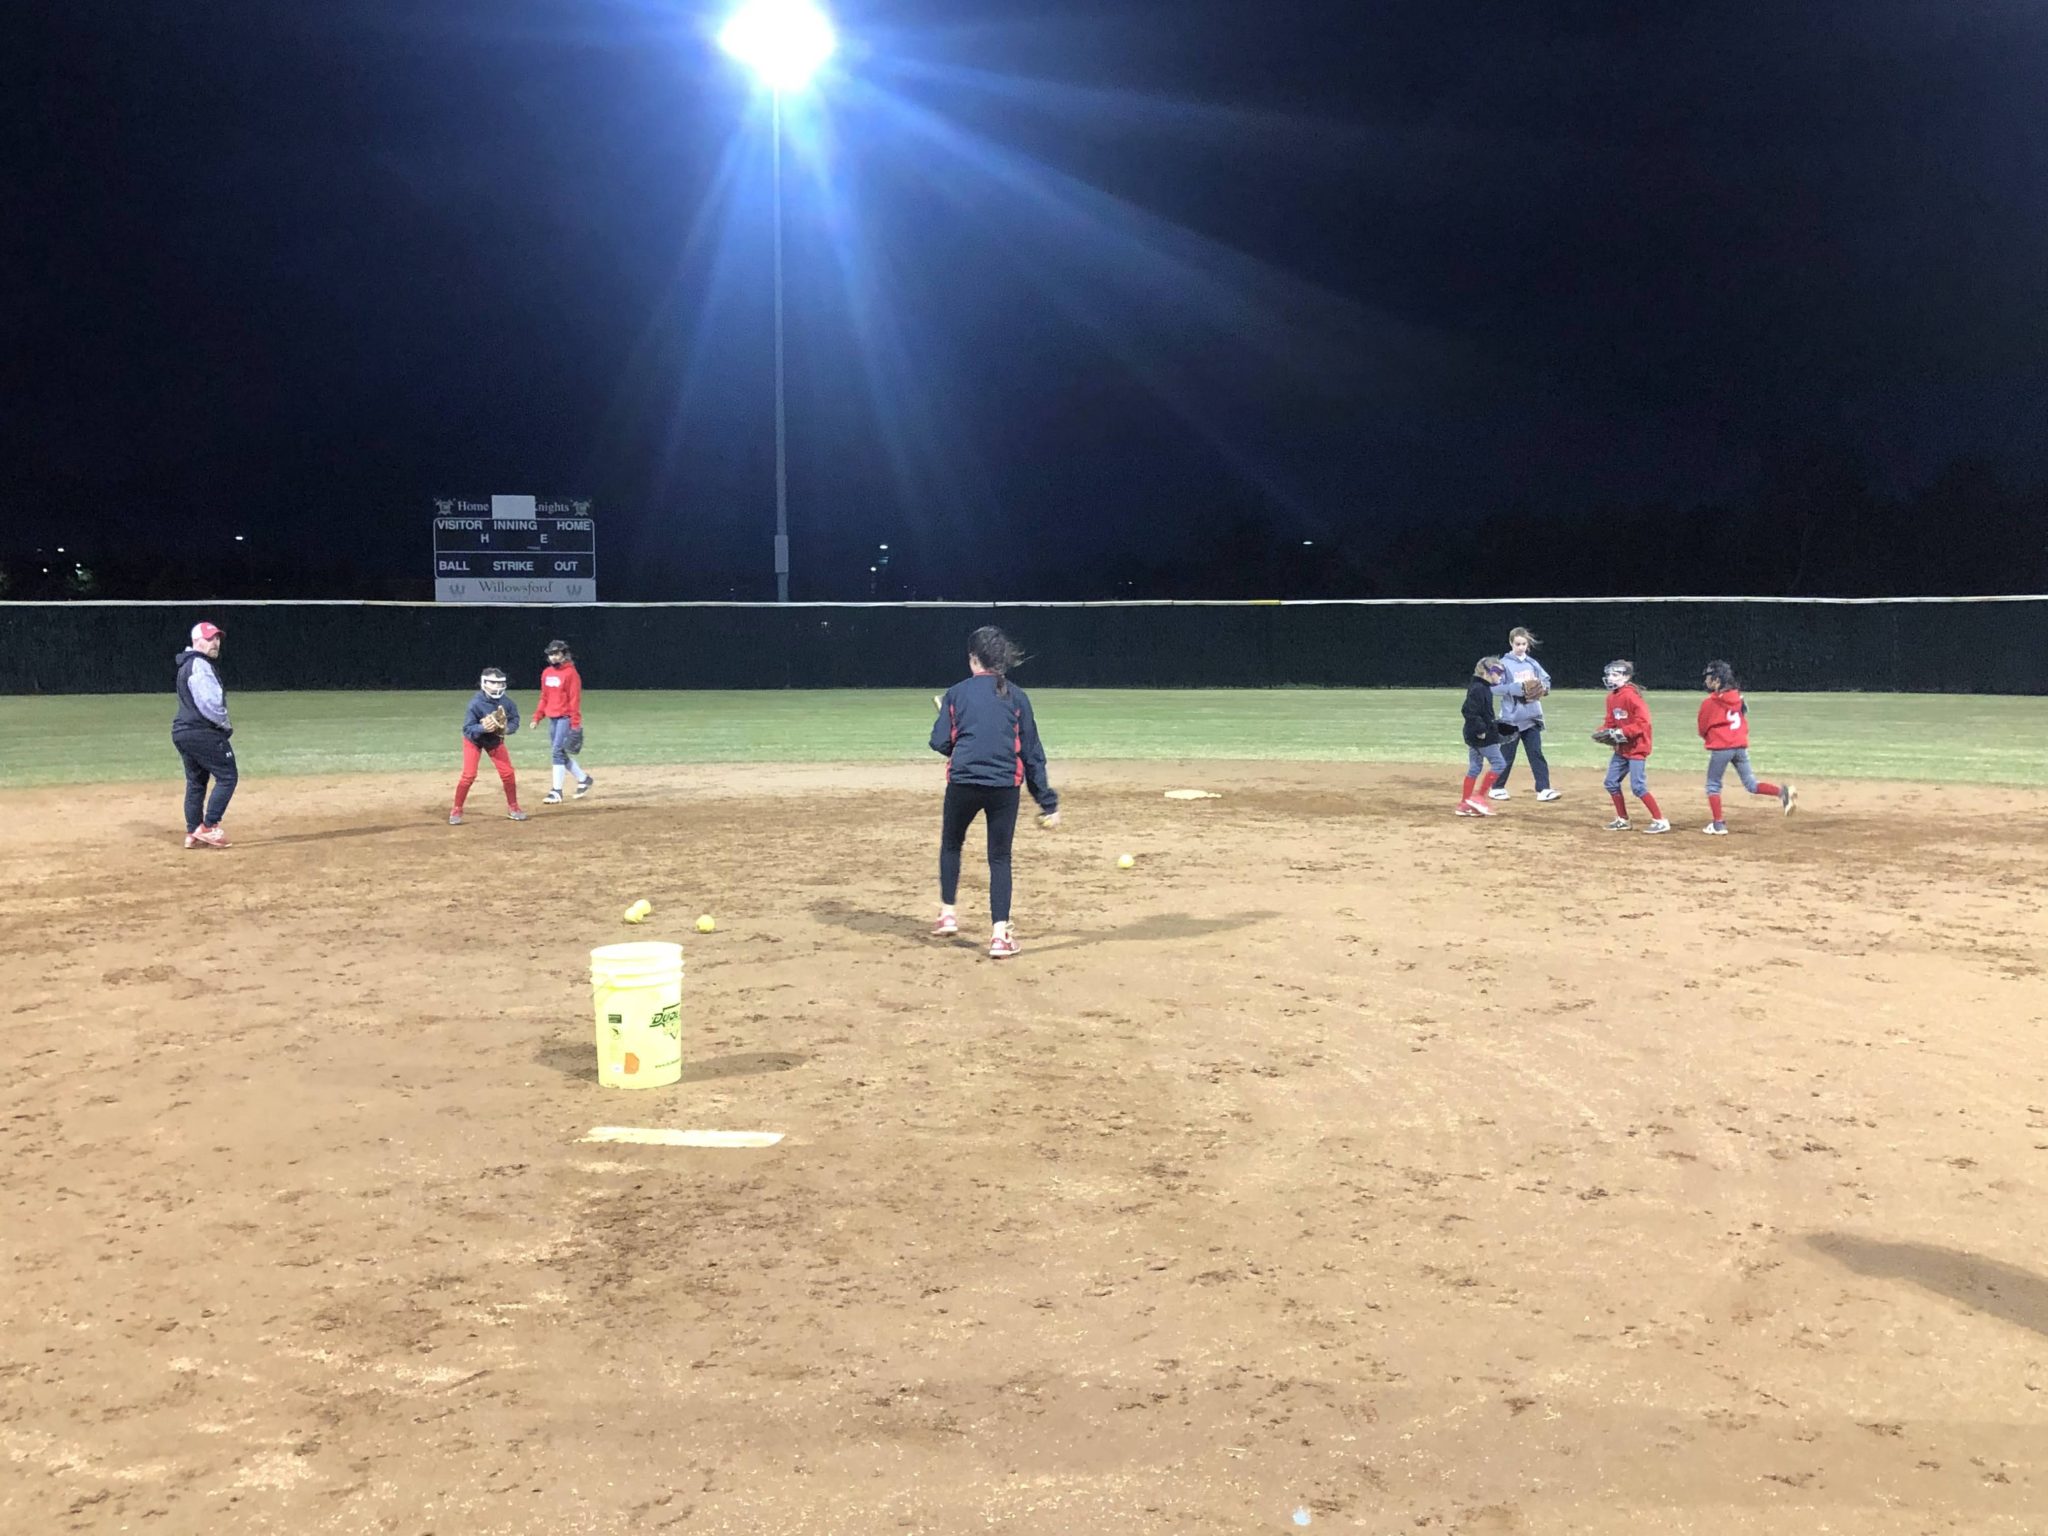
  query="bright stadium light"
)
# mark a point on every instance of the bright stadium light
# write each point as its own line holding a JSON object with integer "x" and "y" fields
{"x": 784, "y": 42}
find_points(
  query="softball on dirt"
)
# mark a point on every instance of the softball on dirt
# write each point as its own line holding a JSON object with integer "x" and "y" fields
{"x": 1125, "y": 861}
{"x": 705, "y": 924}
{"x": 638, "y": 912}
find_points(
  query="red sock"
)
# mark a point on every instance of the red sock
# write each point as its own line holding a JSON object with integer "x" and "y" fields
{"x": 1762, "y": 789}
{"x": 1469, "y": 782}
{"x": 1486, "y": 783}
{"x": 1620, "y": 807}
{"x": 1714, "y": 805}
{"x": 511, "y": 792}
{"x": 1650, "y": 805}
{"x": 461, "y": 793}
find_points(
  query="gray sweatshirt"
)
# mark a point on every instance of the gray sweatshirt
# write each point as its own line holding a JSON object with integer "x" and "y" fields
{"x": 1514, "y": 709}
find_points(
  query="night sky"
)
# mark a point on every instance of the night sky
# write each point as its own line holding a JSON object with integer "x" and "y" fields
{"x": 1067, "y": 282}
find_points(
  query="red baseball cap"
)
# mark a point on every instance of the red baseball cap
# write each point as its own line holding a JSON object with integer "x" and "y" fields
{"x": 205, "y": 631}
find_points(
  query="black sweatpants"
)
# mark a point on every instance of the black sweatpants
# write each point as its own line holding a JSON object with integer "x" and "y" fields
{"x": 207, "y": 755}
{"x": 1532, "y": 740}
{"x": 999, "y": 805}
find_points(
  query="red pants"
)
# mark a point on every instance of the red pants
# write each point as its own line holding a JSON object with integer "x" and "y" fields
{"x": 500, "y": 758}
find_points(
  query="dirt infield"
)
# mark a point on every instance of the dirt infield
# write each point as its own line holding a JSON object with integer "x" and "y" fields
{"x": 1344, "y": 1160}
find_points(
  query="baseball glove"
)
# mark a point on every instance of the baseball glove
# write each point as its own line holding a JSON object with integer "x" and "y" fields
{"x": 1532, "y": 688}
{"x": 1609, "y": 737}
{"x": 573, "y": 742}
{"x": 495, "y": 722}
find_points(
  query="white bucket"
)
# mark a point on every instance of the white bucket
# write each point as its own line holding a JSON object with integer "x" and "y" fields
{"x": 637, "y": 990}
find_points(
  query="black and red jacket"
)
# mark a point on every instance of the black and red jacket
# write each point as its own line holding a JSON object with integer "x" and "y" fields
{"x": 991, "y": 739}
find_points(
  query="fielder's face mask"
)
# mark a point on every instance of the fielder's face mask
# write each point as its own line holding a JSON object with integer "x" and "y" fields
{"x": 493, "y": 684}
{"x": 1615, "y": 674}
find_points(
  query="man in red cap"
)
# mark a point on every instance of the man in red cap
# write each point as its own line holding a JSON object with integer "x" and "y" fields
{"x": 200, "y": 732}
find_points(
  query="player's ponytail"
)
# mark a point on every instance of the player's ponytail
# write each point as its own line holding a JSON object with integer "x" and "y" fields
{"x": 997, "y": 653}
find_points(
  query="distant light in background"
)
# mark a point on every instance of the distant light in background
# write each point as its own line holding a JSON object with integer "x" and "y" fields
{"x": 238, "y": 538}
{"x": 784, "y": 42}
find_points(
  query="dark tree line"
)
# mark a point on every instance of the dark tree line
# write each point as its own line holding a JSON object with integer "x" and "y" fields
{"x": 1816, "y": 528}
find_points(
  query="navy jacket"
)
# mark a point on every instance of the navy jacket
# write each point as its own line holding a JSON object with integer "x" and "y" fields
{"x": 1481, "y": 729}
{"x": 991, "y": 739}
{"x": 202, "y": 703}
{"x": 479, "y": 706}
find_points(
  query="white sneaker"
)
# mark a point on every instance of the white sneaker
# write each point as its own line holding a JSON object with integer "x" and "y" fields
{"x": 1659, "y": 825}
{"x": 1548, "y": 794}
{"x": 1714, "y": 829}
{"x": 552, "y": 797}
{"x": 1496, "y": 794}
{"x": 1788, "y": 797}
{"x": 1619, "y": 824}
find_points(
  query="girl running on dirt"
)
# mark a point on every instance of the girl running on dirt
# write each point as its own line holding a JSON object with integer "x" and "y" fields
{"x": 1724, "y": 727}
{"x": 990, "y": 739}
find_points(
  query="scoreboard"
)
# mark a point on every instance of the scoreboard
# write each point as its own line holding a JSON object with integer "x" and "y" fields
{"x": 514, "y": 549}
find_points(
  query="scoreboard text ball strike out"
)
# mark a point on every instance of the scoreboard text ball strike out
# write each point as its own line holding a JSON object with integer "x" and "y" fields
{"x": 514, "y": 549}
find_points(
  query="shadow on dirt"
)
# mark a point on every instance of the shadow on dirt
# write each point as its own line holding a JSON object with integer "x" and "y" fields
{"x": 579, "y": 1062}
{"x": 1985, "y": 1285}
{"x": 1160, "y": 928}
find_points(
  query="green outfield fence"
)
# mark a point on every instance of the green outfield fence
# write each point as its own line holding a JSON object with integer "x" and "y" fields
{"x": 1893, "y": 645}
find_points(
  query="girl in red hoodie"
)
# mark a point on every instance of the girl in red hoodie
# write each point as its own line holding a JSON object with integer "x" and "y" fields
{"x": 561, "y": 705}
{"x": 1724, "y": 727}
{"x": 1626, "y": 728}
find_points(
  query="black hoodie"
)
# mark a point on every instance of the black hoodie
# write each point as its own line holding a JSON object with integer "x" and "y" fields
{"x": 1481, "y": 729}
{"x": 204, "y": 708}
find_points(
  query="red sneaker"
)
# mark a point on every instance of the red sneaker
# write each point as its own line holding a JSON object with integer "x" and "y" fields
{"x": 946, "y": 926}
{"x": 213, "y": 837}
{"x": 1478, "y": 808}
{"x": 1001, "y": 947}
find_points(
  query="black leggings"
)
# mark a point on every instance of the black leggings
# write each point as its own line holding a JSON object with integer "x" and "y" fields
{"x": 963, "y": 803}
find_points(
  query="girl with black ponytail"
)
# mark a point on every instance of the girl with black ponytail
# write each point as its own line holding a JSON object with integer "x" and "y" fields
{"x": 990, "y": 739}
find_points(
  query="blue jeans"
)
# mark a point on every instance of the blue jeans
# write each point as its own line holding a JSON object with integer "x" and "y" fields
{"x": 1491, "y": 757}
{"x": 558, "y": 736}
{"x": 1637, "y": 770}
{"x": 1539, "y": 765}
{"x": 1721, "y": 759}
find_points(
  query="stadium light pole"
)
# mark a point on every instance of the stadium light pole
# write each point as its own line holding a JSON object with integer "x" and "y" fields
{"x": 784, "y": 43}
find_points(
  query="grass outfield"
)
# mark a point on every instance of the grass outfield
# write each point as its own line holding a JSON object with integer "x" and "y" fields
{"x": 109, "y": 738}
